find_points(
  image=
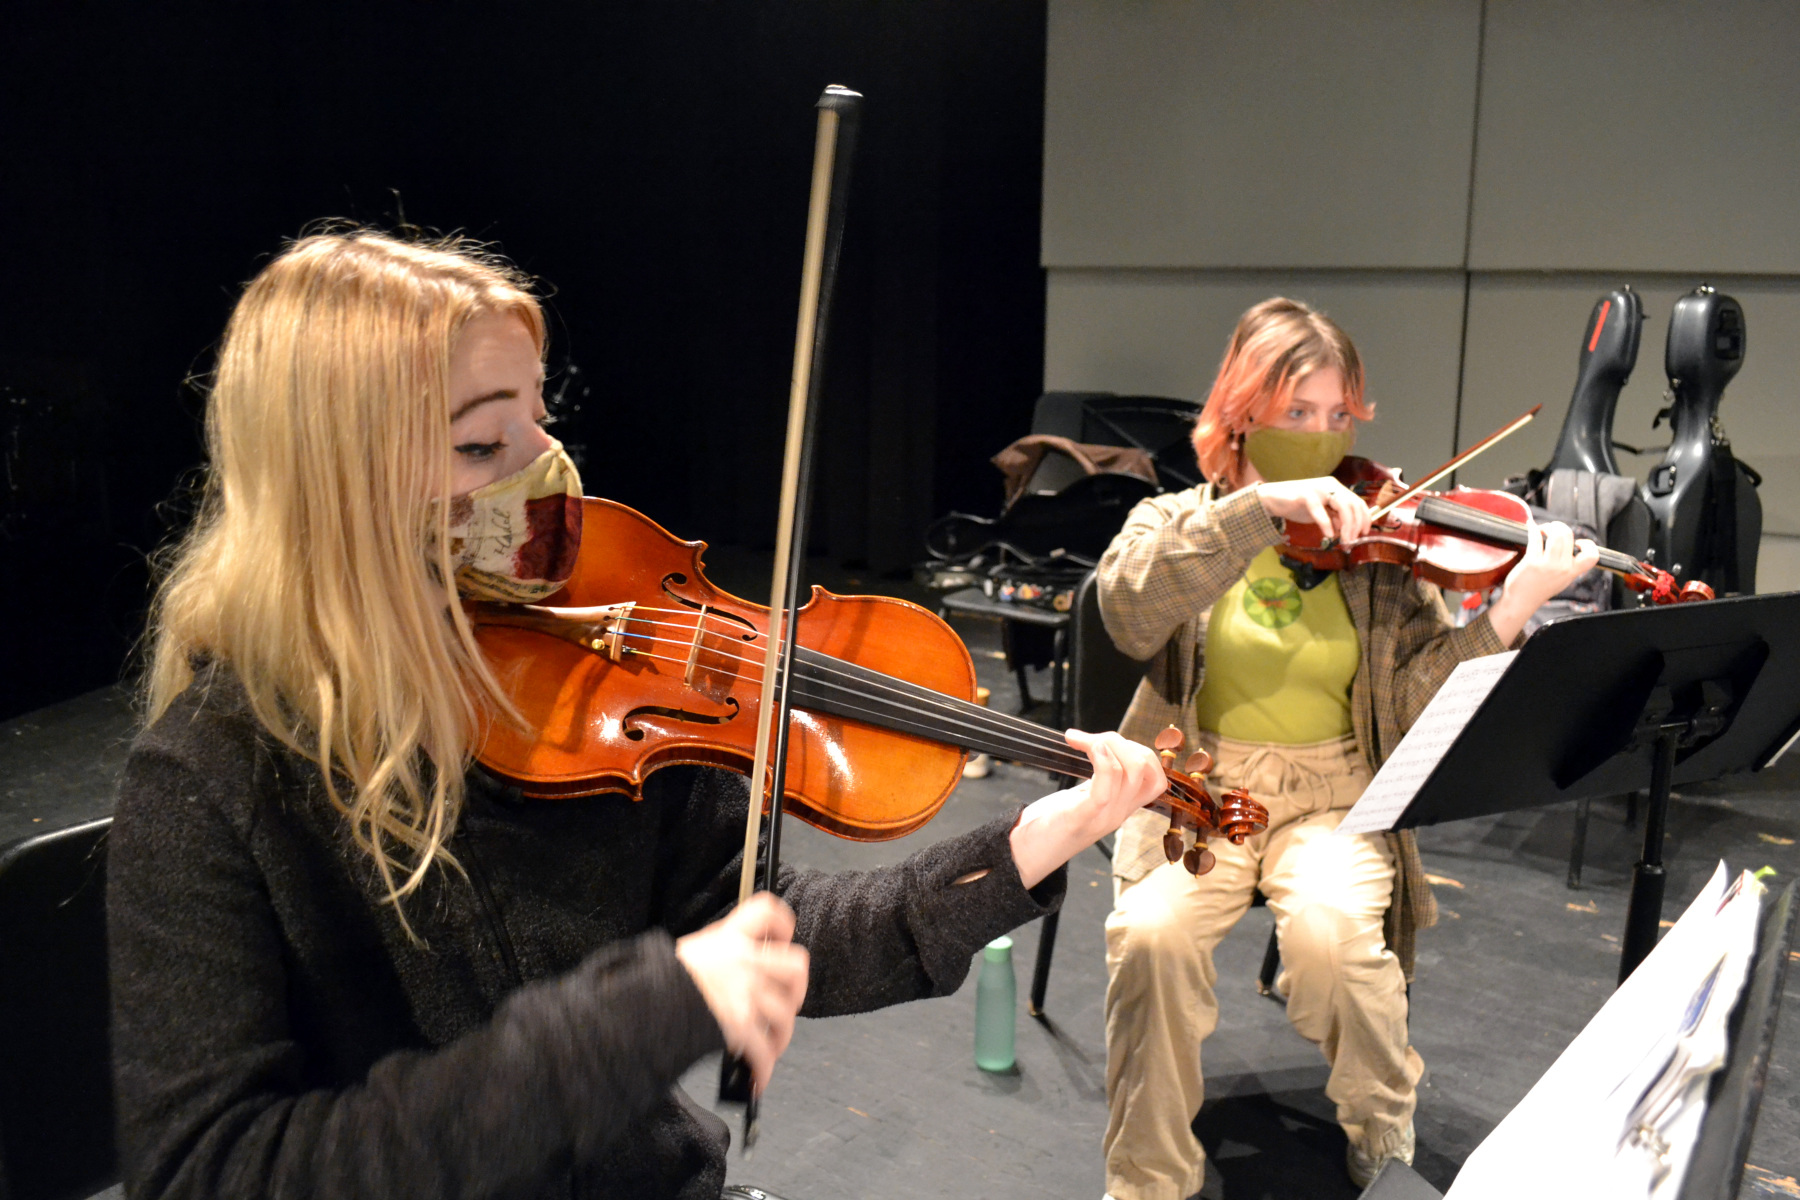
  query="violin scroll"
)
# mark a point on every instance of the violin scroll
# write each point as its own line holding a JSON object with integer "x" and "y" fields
{"x": 1193, "y": 812}
{"x": 1240, "y": 816}
{"x": 1660, "y": 587}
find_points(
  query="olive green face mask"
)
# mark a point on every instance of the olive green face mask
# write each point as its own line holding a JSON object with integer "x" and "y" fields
{"x": 1283, "y": 454}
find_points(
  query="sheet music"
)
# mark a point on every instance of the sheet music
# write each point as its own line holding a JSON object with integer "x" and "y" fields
{"x": 1425, "y": 745}
{"x": 1618, "y": 1112}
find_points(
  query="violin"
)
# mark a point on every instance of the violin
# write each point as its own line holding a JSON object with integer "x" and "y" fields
{"x": 640, "y": 662}
{"x": 1465, "y": 539}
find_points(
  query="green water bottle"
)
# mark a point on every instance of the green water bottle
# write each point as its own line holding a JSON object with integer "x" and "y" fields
{"x": 996, "y": 1006}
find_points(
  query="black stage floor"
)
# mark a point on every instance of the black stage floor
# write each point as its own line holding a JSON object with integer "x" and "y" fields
{"x": 890, "y": 1104}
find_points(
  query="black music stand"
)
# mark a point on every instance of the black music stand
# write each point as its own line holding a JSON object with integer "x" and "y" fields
{"x": 1607, "y": 703}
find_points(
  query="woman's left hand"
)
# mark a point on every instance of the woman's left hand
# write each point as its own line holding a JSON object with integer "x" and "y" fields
{"x": 1050, "y": 832}
{"x": 1554, "y": 558}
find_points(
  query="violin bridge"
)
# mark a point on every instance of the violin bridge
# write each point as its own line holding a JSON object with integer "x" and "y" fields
{"x": 693, "y": 657}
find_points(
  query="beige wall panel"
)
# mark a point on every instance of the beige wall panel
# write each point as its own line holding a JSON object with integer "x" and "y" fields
{"x": 1258, "y": 133}
{"x": 1778, "y": 565}
{"x": 1162, "y": 333}
{"x": 1639, "y": 135}
{"x": 1524, "y": 340}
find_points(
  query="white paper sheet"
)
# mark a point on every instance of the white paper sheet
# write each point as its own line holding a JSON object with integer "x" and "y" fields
{"x": 1419, "y": 752}
{"x": 1569, "y": 1135}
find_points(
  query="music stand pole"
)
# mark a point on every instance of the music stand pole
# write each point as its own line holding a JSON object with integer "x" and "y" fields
{"x": 1643, "y": 917}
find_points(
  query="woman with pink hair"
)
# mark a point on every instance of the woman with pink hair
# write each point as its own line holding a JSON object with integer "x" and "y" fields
{"x": 1298, "y": 688}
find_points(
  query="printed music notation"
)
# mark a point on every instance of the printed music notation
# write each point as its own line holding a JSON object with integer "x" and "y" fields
{"x": 1425, "y": 745}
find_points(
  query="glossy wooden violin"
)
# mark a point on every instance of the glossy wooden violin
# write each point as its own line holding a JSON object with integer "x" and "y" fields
{"x": 1466, "y": 539}
{"x": 640, "y": 662}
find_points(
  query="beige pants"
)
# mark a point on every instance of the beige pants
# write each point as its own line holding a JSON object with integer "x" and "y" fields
{"x": 1345, "y": 990}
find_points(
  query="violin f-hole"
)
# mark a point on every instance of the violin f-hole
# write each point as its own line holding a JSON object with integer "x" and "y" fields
{"x": 675, "y": 578}
{"x": 675, "y": 714}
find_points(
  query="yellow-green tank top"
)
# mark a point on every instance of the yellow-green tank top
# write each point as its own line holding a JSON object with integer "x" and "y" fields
{"x": 1279, "y": 661}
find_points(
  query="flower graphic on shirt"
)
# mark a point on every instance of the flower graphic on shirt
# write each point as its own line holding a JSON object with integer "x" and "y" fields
{"x": 1273, "y": 603}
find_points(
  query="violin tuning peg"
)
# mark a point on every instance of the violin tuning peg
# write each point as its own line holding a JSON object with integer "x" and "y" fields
{"x": 1198, "y": 860}
{"x": 1172, "y": 845}
{"x": 1168, "y": 745}
{"x": 1198, "y": 764}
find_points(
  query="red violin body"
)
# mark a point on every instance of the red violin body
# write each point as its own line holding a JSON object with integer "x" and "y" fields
{"x": 1431, "y": 552}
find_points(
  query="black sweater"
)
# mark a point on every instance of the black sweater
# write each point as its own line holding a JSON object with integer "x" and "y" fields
{"x": 276, "y": 1033}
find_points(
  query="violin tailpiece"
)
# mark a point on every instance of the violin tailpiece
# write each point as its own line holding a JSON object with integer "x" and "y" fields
{"x": 599, "y": 628}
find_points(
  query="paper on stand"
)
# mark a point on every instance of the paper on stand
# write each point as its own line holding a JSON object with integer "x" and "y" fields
{"x": 1618, "y": 1112}
{"x": 1426, "y": 743}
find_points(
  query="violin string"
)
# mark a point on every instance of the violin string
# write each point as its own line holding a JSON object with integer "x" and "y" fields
{"x": 946, "y": 712}
{"x": 1469, "y": 519}
{"x": 942, "y": 712}
{"x": 913, "y": 708}
{"x": 929, "y": 720}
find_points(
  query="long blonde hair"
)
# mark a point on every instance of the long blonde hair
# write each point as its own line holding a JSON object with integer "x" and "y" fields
{"x": 317, "y": 567}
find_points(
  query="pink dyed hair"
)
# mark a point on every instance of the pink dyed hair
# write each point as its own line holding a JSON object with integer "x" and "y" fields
{"x": 1276, "y": 344}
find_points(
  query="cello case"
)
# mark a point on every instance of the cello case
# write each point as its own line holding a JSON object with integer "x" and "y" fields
{"x": 1608, "y": 353}
{"x": 1582, "y": 486}
{"x": 1703, "y": 502}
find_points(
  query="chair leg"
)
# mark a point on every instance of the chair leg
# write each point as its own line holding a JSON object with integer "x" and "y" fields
{"x": 1578, "y": 844}
{"x": 1059, "y": 664}
{"x": 1025, "y": 700}
{"x": 1265, "y": 980}
{"x": 1040, "y": 972}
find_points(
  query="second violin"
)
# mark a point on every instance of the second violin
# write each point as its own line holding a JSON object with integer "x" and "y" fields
{"x": 1465, "y": 539}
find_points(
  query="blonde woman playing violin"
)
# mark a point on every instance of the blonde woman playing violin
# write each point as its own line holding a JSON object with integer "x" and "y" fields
{"x": 345, "y": 963}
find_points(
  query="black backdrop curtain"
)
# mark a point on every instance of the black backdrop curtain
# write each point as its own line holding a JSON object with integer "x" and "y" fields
{"x": 649, "y": 161}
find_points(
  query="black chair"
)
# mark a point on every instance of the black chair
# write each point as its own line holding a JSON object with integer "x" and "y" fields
{"x": 56, "y": 1101}
{"x": 1101, "y": 678}
{"x": 1101, "y": 683}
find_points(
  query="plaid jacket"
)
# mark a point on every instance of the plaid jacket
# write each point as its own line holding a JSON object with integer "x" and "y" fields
{"x": 1176, "y": 555}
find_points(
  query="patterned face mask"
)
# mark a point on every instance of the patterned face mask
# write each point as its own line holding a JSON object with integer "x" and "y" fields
{"x": 516, "y": 538}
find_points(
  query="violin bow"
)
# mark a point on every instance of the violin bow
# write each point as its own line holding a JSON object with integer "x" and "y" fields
{"x": 1486, "y": 443}
{"x": 833, "y": 146}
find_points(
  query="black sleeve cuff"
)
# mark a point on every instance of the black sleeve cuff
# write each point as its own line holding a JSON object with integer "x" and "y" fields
{"x": 967, "y": 893}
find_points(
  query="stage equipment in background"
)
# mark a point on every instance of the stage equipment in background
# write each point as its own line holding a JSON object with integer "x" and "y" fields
{"x": 1582, "y": 485}
{"x": 1707, "y": 514}
{"x": 1160, "y": 426}
{"x": 1063, "y": 498}
{"x": 1070, "y": 483}
{"x": 1601, "y": 705}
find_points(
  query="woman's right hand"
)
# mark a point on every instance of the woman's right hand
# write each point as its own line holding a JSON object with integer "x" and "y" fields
{"x": 1324, "y": 502}
{"x": 753, "y": 977}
